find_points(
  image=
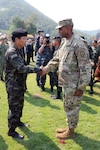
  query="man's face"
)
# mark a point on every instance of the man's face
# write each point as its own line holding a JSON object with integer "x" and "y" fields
{"x": 45, "y": 40}
{"x": 54, "y": 43}
{"x": 64, "y": 31}
{"x": 41, "y": 39}
{"x": 21, "y": 42}
{"x": 94, "y": 44}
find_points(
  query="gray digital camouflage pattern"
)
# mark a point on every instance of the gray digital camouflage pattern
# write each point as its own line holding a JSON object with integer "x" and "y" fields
{"x": 72, "y": 59}
{"x": 3, "y": 49}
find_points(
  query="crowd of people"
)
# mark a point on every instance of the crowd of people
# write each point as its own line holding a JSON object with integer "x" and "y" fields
{"x": 68, "y": 59}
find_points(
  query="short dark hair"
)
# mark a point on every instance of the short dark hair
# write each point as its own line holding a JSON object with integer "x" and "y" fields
{"x": 95, "y": 41}
{"x": 58, "y": 38}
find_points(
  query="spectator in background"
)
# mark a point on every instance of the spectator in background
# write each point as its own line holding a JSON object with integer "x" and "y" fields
{"x": 38, "y": 61}
{"x": 55, "y": 44}
{"x": 3, "y": 47}
{"x": 43, "y": 57}
{"x": 91, "y": 56}
{"x": 94, "y": 46}
{"x": 29, "y": 49}
{"x": 94, "y": 61}
{"x": 38, "y": 43}
{"x": 30, "y": 39}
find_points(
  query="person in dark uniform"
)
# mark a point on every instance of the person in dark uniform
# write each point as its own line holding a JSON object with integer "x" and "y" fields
{"x": 91, "y": 56}
{"x": 38, "y": 60}
{"x": 55, "y": 44}
{"x": 30, "y": 50}
{"x": 15, "y": 70}
{"x": 38, "y": 44}
{"x": 44, "y": 55}
{"x": 94, "y": 65}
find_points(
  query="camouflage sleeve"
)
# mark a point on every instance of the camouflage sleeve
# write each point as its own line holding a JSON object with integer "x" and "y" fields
{"x": 84, "y": 67}
{"x": 53, "y": 63}
{"x": 18, "y": 64}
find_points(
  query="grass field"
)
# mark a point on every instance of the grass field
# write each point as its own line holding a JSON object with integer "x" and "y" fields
{"x": 44, "y": 115}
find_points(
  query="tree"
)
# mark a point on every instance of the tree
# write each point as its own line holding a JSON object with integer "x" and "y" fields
{"x": 31, "y": 28}
{"x": 17, "y": 23}
{"x": 28, "y": 25}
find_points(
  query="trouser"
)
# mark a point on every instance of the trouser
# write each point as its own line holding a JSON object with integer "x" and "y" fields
{"x": 2, "y": 71}
{"x": 54, "y": 82}
{"x": 59, "y": 90}
{"x": 28, "y": 58}
{"x": 32, "y": 55}
{"x": 53, "y": 79}
{"x": 91, "y": 80}
{"x": 51, "y": 76}
{"x": 72, "y": 106}
{"x": 25, "y": 85}
{"x": 38, "y": 78}
{"x": 16, "y": 104}
{"x": 42, "y": 81}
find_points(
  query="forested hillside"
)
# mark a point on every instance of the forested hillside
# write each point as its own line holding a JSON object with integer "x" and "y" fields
{"x": 20, "y": 8}
{"x": 23, "y": 10}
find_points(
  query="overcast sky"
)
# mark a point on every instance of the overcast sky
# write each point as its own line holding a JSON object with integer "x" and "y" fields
{"x": 85, "y": 13}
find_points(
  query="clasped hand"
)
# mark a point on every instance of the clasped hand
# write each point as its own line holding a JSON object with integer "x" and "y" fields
{"x": 43, "y": 72}
{"x": 78, "y": 92}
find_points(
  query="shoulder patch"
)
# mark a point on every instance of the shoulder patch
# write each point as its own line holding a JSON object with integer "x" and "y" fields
{"x": 82, "y": 53}
{"x": 13, "y": 56}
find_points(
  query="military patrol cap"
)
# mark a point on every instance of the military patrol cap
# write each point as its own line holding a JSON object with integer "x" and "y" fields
{"x": 19, "y": 32}
{"x": 2, "y": 37}
{"x": 66, "y": 22}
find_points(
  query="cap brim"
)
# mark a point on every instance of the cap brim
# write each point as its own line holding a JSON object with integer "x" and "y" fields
{"x": 83, "y": 40}
{"x": 59, "y": 26}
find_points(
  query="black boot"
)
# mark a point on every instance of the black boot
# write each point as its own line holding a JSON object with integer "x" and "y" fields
{"x": 42, "y": 88}
{"x": 91, "y": 89}
{"x": 51, "y": 88}
{"x": 21, "y": 124}
{"x": 38, "y": 83}
{"x": 2, "y": 79}
{"x": 57, "y": 96}
{"x": 15, "y": 134}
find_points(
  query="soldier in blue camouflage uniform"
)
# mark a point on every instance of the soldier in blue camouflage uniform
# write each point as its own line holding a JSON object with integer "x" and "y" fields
{"x": 44, "y": 55}
{"x": 15, "y": 70}
{"x": 74, "y": 74}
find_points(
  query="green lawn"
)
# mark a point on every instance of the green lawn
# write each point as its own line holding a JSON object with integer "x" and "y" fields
{"x": 44, "y": 115}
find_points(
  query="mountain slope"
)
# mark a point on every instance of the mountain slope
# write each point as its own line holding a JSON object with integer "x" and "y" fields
{"x": 23, "y": 10}
{"x": 20, "y": 8}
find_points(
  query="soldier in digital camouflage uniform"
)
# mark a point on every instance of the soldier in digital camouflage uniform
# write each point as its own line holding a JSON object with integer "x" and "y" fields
{"x": 74, "y": 74}
{"x": 15, "y": 70}
{"x": 3, "y": 48}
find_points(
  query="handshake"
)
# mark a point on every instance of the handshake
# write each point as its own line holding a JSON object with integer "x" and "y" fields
{"x": 41, "y": 71}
